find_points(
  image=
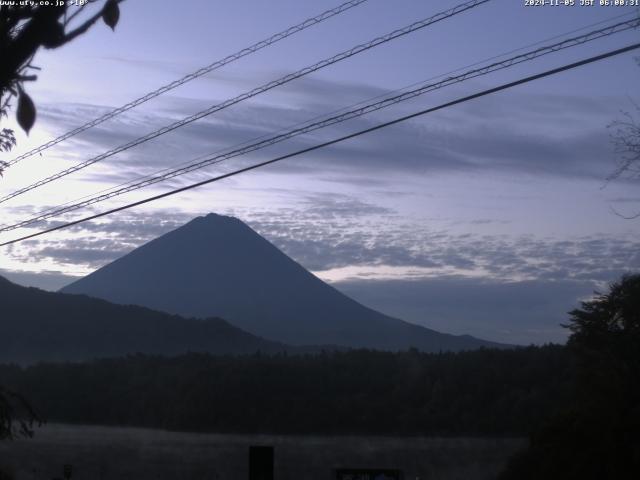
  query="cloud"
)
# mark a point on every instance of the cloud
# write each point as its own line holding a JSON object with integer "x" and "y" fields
{"x": 625, "y": 200}
{"x": 82, "y": 255}
{"x": 94, "y": 244}
{"x": 90, "y": 251}
{"x": 335, "y": 206}
{"x": 331, "y": 231}
{"x": 45, "y": 280}
{"x": 460, "y": 139}
{"x": 134, "y": 228}
{"x": 347, "y": 241}
{"x": 513, "y": 312}
{"x": 498, "y": 287}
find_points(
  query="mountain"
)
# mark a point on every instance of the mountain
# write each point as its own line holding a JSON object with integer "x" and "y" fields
{"x": 218, "y": 266}
{"x": 45, "y": 326}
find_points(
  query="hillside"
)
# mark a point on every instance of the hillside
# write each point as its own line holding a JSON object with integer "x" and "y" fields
{"x": 36, "y": 325}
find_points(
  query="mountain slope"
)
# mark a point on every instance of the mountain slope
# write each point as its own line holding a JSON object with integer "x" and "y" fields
{"x": 217, "y": 265}
{"x": 38, "y": 326}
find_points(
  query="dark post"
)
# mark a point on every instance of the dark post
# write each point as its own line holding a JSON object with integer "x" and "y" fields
{"x": 67, "y": 471}
{"x": 260, "y": 462}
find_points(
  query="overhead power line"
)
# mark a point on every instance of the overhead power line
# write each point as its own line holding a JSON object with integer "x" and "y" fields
{"x": 351, "y": 106}
{"x": 252, "y": 93}
{"x": 332, "y": 120}
{"x": 193, "y": 75}
{"x": 467, "y": 98}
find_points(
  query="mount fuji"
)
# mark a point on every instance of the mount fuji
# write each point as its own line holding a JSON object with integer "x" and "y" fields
{"x": 217, "y": 266}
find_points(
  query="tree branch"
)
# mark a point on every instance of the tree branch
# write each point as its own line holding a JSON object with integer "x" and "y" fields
{"x": 632, "y": 217}
{"x": 87, "y": 24}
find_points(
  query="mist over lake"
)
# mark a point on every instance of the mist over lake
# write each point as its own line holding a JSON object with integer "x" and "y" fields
{"x": 131, "y": 453}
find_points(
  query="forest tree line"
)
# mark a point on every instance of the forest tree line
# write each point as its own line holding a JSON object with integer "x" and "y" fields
{"x": 483, "y": 392}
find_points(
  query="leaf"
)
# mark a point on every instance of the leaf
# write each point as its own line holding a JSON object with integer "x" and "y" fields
{"x": 111, "y": 13}
{"x": 53, "y": 35}
{"x": 26, "y": 113}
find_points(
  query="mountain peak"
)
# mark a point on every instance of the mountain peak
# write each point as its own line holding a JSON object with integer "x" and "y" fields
{"x": 216, "y": 265}
{"x": 215, "y": 218}
{"x": 213, "y": 221}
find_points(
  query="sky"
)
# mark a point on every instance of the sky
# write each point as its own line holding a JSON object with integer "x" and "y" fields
{"x": 492, "y": 218}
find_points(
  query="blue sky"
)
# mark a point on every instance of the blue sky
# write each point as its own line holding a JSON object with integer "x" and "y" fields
{"x": 491, "y": 218}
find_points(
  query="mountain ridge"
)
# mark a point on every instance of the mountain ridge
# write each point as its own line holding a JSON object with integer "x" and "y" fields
{"x": 218, "y": 266}
{"x": 36, "y": 325}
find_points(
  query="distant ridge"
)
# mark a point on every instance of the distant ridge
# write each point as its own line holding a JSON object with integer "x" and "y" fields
{"x": 45, "y": 326}
{"x": 218, "y": 266}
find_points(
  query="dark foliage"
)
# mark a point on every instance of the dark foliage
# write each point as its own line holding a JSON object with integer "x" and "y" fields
{"x": 25, "y": 27}
{"x": 596, "y": 437}
{"x": 625, "y": 137}
{"x": 484, "y": 392}
{"x": 17, "y": 417}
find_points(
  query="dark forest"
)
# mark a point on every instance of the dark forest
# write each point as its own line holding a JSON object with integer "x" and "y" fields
{"x": 484, "y": 392}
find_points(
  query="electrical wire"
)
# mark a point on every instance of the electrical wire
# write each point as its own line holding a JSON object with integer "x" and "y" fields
{"x": 467, "y": 98}
{"x": 252, "y": 93}
{"x": 193, "y": 75}
{"x": 348, "y": 115}
{"x": 351, "y": 106}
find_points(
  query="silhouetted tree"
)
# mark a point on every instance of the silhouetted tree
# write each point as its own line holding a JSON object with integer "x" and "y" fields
{"x": 625, "y": 137}
{"x": 626, "y": 141}
{"x": 17, "y": 417}
{"x": 25, "y": 27}
{"x": 597, "y": 436}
